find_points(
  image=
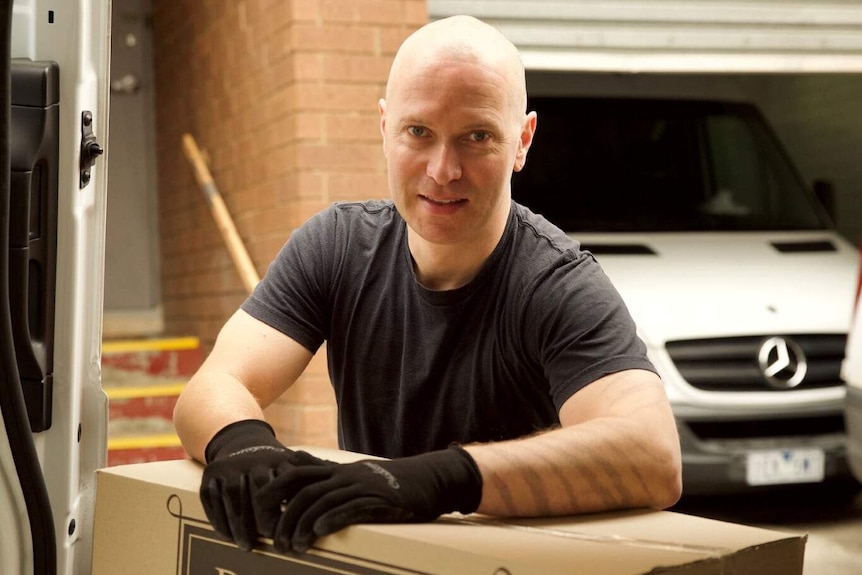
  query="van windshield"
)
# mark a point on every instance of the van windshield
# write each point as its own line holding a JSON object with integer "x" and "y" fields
{"x": 606, "y": 164}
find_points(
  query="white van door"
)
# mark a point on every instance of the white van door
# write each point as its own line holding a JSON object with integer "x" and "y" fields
{"x": 53, "y": 413}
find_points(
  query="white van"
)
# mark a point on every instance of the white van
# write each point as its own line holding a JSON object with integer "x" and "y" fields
{"x": 53, "y": 412}
{"x": 852, "y": 373}
{"x": 729, "y": 265}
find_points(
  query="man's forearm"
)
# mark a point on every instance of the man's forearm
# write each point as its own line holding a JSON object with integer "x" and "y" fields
{"x": 250, "y": 366}
{"x": 594, "y": 466}
{"x": 618, "y": 448}
{"x": 209, "y": 402}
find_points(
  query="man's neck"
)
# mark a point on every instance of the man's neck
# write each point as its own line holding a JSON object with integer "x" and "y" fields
{"x": 447, "y": 267}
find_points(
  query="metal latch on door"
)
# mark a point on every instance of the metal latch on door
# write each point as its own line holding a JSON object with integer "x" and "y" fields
{"x": 90, "y": 148}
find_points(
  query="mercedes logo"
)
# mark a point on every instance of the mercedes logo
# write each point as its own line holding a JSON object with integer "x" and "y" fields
{"x": 782, "y": 362}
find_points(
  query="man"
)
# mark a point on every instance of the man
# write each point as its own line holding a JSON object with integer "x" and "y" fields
{"x": 468, "y": 339}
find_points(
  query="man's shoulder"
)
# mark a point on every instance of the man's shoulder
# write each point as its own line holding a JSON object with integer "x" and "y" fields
{"x": 365, "y": 221}
{"x": 364, "y": 209}
{"x": 351, "y": 219}
{"x": 535, "y": 229}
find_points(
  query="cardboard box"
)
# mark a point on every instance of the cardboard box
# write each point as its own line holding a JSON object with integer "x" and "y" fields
{"x": 149, "y": 520}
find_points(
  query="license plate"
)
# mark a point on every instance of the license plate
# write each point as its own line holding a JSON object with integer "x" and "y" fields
{"x": 781, "y": 466}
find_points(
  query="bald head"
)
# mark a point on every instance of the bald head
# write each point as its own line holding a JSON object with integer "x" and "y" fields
{"x": 461, "y": 38}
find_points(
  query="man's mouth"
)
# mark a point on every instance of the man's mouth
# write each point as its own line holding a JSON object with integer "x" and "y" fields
{"x": 442, "y": 202}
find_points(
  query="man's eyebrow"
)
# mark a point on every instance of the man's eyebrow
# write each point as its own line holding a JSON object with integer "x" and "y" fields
{"x": 482, "y": 127}
{"x": 478, "y": 126}
{"x": 410, "y": 121}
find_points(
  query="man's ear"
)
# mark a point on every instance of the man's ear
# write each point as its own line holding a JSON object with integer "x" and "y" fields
{"x": 381, "y": 106}
{"x": 528, "y": 130}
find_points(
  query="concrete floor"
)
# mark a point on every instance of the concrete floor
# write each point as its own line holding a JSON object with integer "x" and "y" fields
{"x": 831, "y": 515}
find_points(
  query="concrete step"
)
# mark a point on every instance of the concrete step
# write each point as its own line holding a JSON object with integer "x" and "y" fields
{"x": 143, "y": 379}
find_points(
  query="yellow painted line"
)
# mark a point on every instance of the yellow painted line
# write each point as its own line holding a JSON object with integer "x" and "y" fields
{"x": 163, "y": 344}
{"x": 144, "y": 442}
{"x": 168, "y": 390}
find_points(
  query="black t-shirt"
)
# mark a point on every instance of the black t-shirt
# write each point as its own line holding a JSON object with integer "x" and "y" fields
{"x": 414, "y": 369}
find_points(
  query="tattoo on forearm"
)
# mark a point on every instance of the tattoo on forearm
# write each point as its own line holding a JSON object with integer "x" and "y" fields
{"x": 537, "y": 489}
{"x": 505, "y": 494}
{"x": 546, "y": 454}
{"x": 531, "y": 479}
{"x": 634, "y": 469}
{"x": 617, "y": 494}
{"x": 557, "y": 474}
{"x": 590, "y": 478}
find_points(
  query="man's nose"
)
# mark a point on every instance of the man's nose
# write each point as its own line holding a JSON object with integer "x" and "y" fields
{"x": 444, "y": 165}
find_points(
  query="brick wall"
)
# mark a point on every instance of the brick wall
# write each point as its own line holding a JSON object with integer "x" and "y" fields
{"x": 281, "y": 95}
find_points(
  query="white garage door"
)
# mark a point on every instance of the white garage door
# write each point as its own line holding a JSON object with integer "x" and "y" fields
{"x": 675, "y": 35}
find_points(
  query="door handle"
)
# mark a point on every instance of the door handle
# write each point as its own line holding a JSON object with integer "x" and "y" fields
{"x": 34, "y": 147}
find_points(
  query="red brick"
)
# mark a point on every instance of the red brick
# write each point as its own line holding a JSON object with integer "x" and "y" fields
{"x": 307, "y": 10}
{"x": 337, "y": 156}
{"x": 301, "y": 211}
{"x": 303, "y": 419}
{"x": 280, "y": 160}
{"x": 266, "y": 195}
{"x": 356, "y": 68}
{"x": 333, "y": 38}
{"x": 306, "y": 186}
{"x": 415, "y": 12}
{"x": 353, "y": 186}
{"x": 267, "y": 221}
{"x": 311, "y": 392}
{"x": 264, "y": 249}
{"x": 339, "y": 96}
{"x": 307, "y": 66}
{"x": 391, "y": 38}
{"x": 365, "y": 11}
{"x": 342, "y": 127}
{"x": 309, "y": 126}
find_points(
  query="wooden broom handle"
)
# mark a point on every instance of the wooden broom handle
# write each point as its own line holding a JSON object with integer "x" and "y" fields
{"x": 238, "y": 253}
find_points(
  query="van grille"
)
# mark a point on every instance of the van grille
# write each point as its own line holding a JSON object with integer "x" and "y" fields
{"x": 731, "y": 364}
{"x": 767, "y": 428}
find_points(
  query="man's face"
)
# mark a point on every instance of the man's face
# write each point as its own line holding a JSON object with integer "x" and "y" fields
{"x": 452, "y": 137}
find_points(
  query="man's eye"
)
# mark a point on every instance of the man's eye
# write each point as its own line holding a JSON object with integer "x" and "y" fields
{"x": 480, "y": 136}
{"x": 416, "y": 131}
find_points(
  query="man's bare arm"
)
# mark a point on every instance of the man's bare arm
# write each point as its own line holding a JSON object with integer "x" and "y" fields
{"x": 250, "y": 365}
{"x": 618, "y": 447}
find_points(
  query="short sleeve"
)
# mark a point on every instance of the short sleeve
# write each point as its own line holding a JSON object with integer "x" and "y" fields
{"x": 582, "y": 328}
{"x": 292, "y": 297}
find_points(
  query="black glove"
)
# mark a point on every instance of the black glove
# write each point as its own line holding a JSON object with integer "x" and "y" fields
{"x": 242, "y": 457}
{"x": 314, "y": 500}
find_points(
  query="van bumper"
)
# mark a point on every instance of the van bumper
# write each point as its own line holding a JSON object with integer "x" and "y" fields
{"x": 712, "y": 467}
{"x": 853, "y": 417}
